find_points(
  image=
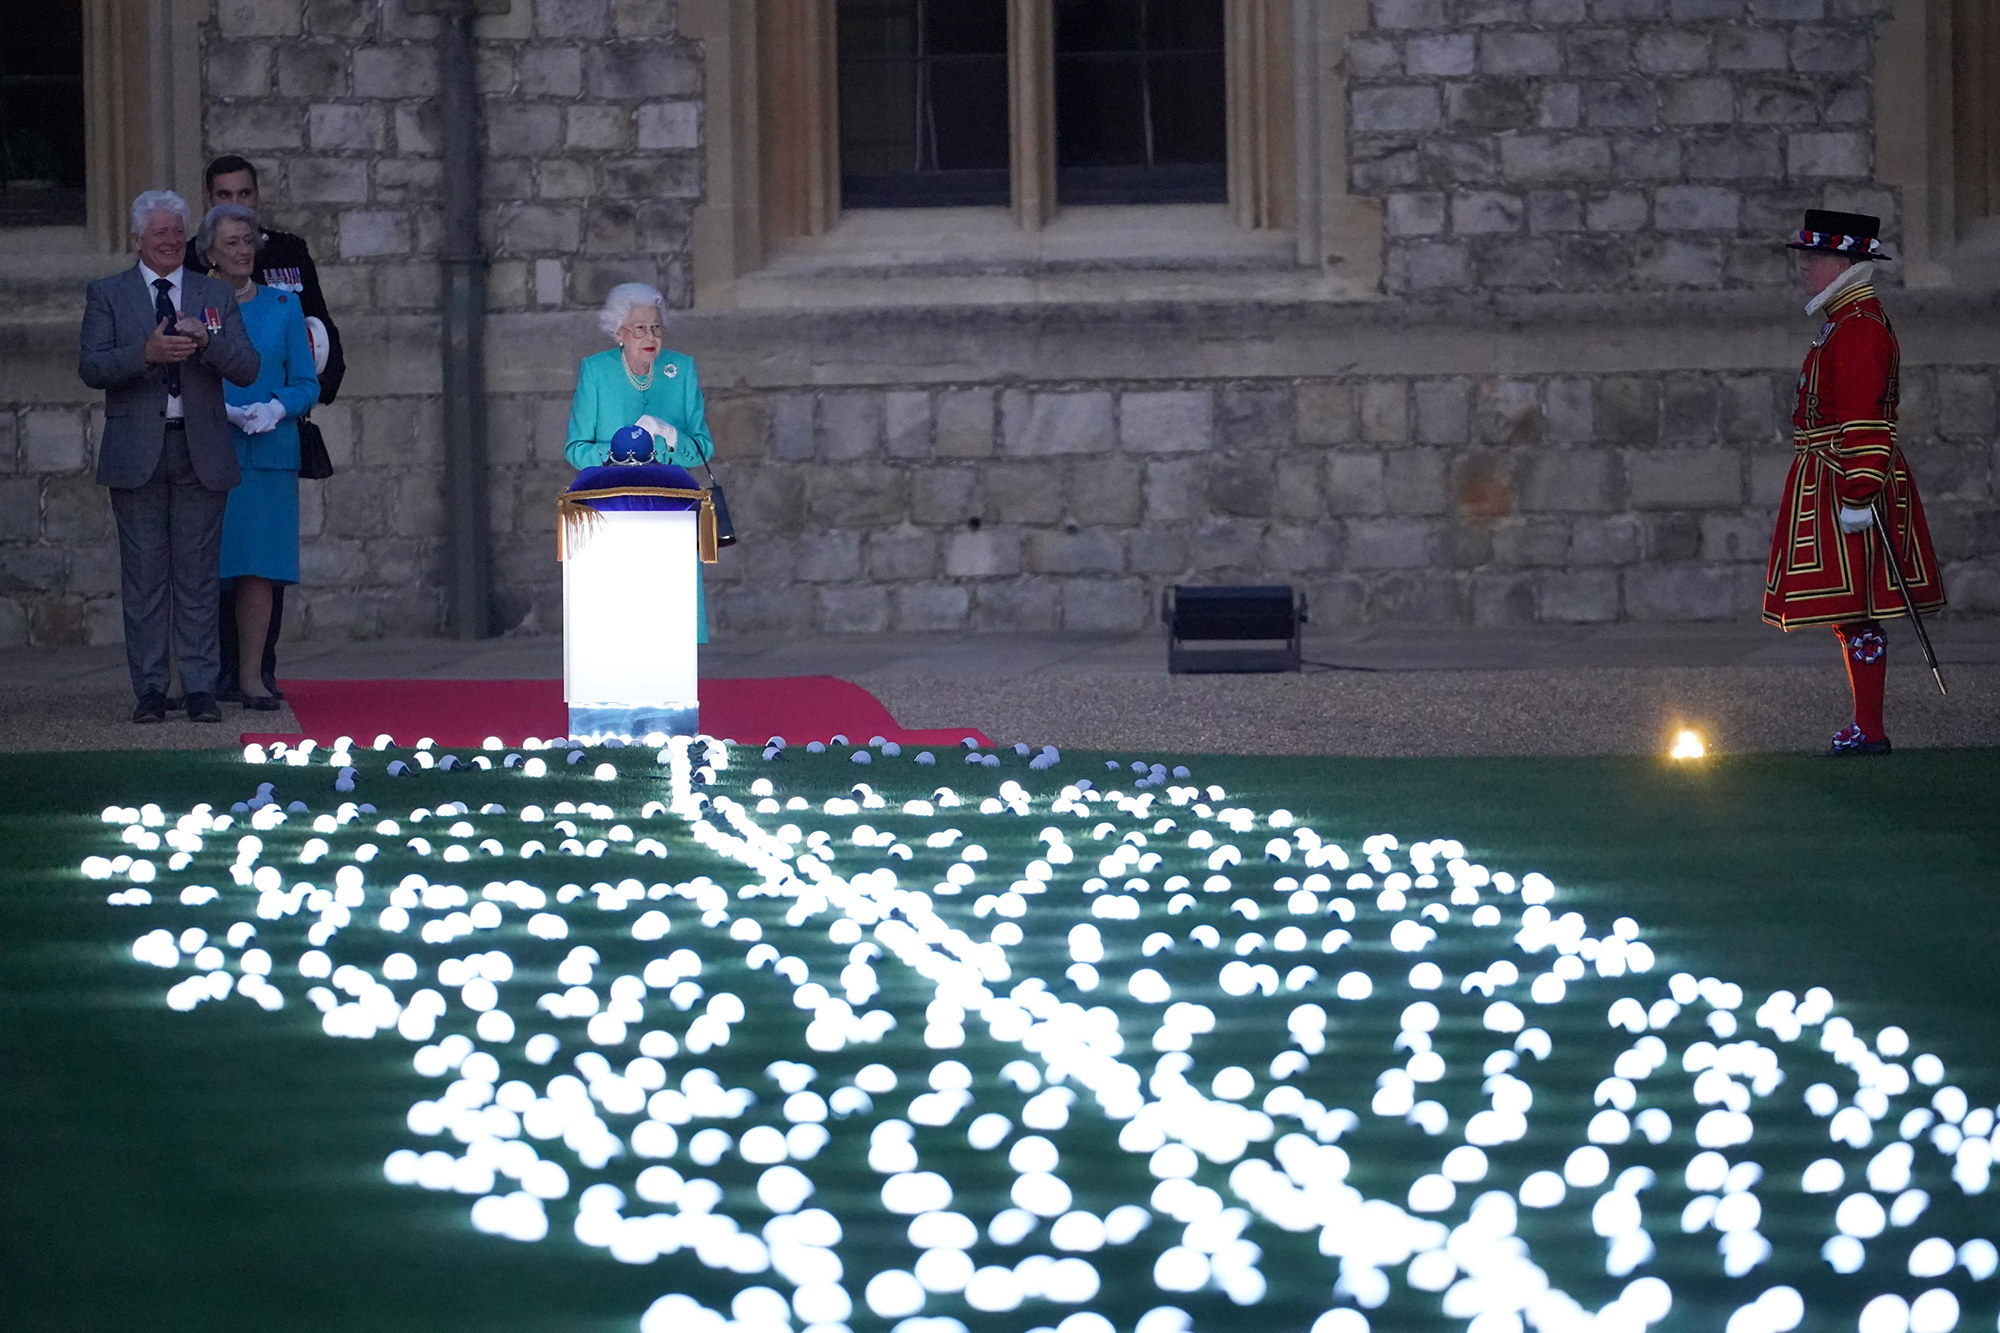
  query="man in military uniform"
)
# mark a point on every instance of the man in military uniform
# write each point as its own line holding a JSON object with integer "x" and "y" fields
{"x": 1849, "y": 482}
{"x": 283, "y": 262}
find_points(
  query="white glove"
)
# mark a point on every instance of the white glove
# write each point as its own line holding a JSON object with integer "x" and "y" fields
{"x": 263, "y": 417}
{"x": 239, "y": 417}
{"x": 1856, "y": 520}
{"x": 660, "y": 431}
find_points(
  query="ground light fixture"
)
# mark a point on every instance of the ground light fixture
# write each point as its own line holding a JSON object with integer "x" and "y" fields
{"x": 1688, "y": 744}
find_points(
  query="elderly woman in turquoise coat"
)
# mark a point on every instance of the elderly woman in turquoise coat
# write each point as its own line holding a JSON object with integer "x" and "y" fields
{"x": 260, "y": 525}
{"x": 640, "y": 382}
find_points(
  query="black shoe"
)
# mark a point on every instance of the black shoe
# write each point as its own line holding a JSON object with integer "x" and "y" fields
{"x": 261, "y": 703}
{"x": 152, "y": 707}
{"x": 203, "y": 708}
{"x": 1849, "y": 743}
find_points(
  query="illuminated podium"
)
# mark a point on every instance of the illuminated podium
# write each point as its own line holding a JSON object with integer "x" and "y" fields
{"x": 629, "y": 537}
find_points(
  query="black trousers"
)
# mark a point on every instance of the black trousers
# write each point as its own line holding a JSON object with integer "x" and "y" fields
{"x": 228, "y": 681}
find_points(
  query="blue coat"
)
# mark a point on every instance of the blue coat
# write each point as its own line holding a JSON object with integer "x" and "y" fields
{"x": 277, "y": 327}
{"x": 606, "y": 400}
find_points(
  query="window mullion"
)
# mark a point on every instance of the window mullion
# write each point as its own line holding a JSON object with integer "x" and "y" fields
{"x": 1031, "y": 110}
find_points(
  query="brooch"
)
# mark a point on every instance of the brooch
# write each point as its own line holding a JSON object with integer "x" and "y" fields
{"x": 670, "y": 370}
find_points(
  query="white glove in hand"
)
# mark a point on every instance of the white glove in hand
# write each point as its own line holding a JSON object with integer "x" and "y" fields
{"x": 239, "y": 417}
{"x": 660, "y": 431}
{"x": 1856, "y": 520}
{"x": 263, "y": 417}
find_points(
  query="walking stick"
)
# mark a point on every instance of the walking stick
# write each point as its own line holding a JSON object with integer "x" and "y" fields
{"x": 1903, "y": 587}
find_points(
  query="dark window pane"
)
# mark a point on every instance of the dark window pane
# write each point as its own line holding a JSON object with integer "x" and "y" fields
{"x": 923, "y": 102}
{"x": 1190, "y": 109}
{"x": 1100, "y": 111}
{"x": 41, "y": 112}
{"x": 878, "y": 123}
{"x": 877, "y": 29}
{"x": 1183, "y": 25}
{"x": 1099, "y": 25}
{"x": 957, "y": 28}
{"x": 969, "y": 111}
{"x": 1140, "y": 109}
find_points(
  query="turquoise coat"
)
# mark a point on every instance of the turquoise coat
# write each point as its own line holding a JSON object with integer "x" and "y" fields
{"x": 605, "y": 400}
{"x": 277, "y": 327}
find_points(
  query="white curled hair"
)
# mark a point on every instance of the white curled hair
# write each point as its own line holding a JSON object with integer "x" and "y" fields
{"x": 623, "y": 300}
{"x": 160, "y": 201}
{"x": 215, "y": 217}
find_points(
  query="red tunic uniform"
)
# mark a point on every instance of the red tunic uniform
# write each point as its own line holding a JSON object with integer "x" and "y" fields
{"x": 1844, "y": 434}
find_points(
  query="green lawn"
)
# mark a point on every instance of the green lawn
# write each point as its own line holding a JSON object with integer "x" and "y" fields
{"x": 223, "y": 1168}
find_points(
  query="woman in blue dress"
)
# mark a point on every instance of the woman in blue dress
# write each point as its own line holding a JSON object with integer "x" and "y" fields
{"x": 260, "y": 526}
{"x": 639, "y": 382}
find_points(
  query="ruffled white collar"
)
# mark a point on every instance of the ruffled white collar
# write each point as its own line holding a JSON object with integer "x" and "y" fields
{"x": 1854, "y": 277}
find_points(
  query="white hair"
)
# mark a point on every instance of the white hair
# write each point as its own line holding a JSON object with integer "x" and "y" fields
{"x": 623, "y": 300}
{"x": 160, "y": 201}
{"x": 215, "y": 217}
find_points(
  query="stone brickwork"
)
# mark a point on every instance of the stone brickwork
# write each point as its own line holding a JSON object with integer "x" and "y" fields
{"x": 1610, "y": 145}
{"x": 1466, "y": 498}
{"x": 1473, "y": 499}
{"x": 593, "y": 135}
{"x": 1037, "y": 467}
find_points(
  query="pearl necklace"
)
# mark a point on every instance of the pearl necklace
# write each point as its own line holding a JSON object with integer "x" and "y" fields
{"x": 247, "y": 290}
{"x": 639, "y": 382}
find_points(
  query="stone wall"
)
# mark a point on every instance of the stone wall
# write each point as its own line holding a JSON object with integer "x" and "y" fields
{"x": 1480, "y": 499}
{"x": 1597, "y": 145}
{"x": 1527, "y": 442}
{"x": 593, "y": 137}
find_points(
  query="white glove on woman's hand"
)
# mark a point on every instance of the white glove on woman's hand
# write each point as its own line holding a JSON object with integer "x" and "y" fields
{"x": 1856, "y": 520}
{"x": 264, "y": 417}
{"x": 239, "y": 417}
{"x": 660, "y": 431}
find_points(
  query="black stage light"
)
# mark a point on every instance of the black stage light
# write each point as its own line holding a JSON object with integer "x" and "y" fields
{"x": 1264, "y": 628}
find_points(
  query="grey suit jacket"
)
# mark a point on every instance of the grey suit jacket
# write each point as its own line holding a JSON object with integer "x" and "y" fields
{"x": 117, "y": 320}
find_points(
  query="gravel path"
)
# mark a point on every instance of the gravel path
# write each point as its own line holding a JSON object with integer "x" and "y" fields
{"x": 1595, "y": 710}
{"x": 1554, "y": 711}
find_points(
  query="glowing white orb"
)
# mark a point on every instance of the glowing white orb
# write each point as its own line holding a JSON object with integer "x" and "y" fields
{"x": 1860, "y": 1215}
{"x": 894, "y": 1293}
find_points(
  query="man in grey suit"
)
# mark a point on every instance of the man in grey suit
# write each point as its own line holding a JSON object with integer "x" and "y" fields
{"x": 159, "y": 339}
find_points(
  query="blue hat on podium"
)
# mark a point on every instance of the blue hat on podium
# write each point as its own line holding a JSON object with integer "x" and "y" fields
{"x": 631, "y": 445}
{"x": 631, "y": 464}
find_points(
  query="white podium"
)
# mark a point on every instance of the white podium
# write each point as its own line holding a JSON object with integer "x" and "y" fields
{"x": 629, "y": 656}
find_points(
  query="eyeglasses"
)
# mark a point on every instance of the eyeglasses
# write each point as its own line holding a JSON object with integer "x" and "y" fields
{"x": 643, "y": 330}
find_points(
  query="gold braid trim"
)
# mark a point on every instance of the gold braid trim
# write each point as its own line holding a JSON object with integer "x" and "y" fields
{"x": 575, "y": 519}
{"x": 1823, "y": 437}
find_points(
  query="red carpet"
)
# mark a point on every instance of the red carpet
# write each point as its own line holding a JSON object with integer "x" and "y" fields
{"x": 466, "y": 712}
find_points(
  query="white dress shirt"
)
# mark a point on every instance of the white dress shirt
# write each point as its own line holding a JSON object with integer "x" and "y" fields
{"x": 174, "y": 410}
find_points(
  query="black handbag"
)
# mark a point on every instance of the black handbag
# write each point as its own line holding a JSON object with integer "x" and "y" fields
{"x": 314, "y": 462}
{"x": 725, "y": 531}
